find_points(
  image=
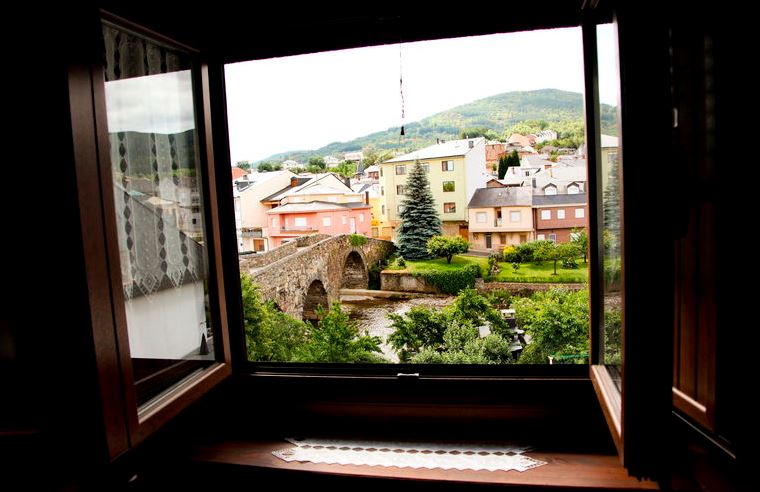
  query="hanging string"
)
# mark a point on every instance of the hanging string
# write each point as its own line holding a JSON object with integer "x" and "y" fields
{"x": 401, "y": 90}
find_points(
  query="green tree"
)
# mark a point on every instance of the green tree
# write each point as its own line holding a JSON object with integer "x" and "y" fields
{"x": 265, "y": 167}
{"x": 547, "y": 251}
{"x": 346, "y": 169}
{"x": 580, "y": 239}
{"x": 317, "y": 162}
{"x": 416, "y": 329}
{"x": 503, "y": 165}
{"x": 557, "y": 321}
{"x": 479, "y": 131}
{"x": 244, "y": 165}
{"x": 419, "y": 219}
{"x": 514, "y": 159}
{"x": 271, "y": 335}
{"x": 337, "y": 339}
{"x": 567, "y": 253}
{"x": 447, "y": 246}
{"x": 450, "y": 336}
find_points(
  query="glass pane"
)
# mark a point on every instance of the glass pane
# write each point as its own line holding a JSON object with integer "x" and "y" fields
{"x": 158, "y": 204}
{"x": 492, "y": 164}
{"x": 609, "y": 78}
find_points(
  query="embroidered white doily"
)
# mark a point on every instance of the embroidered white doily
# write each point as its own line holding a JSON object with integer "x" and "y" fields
{"x": 456, "y": 456}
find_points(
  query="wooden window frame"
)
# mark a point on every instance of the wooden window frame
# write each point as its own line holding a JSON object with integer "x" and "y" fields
{"x": 127, "y": 424}
{"x": 92, "y": 163}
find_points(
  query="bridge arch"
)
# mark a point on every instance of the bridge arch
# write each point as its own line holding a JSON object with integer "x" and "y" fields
{"x": 355, "y": 274}
{"x": 316, "y": 295}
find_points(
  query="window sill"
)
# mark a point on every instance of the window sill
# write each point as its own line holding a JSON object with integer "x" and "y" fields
{"x": 572, "y": 470}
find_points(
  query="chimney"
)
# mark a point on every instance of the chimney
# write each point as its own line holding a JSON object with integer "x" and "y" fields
{"x": 293, "y": 181}
{"x": 472, "y": 143}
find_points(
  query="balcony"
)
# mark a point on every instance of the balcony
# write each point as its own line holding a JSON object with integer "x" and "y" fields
{"x": 255, "y": 233}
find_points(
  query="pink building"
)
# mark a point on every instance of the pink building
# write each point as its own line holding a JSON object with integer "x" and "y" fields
{"x": 296, "y": 219}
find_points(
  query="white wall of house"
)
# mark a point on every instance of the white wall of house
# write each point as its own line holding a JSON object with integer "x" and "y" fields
{"x": 167, "y": 324}
{"x": 474, "y": 165}
{"x": 253, "y": 212}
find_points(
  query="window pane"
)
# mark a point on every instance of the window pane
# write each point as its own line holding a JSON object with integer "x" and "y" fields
{"x": 611, "y": 199}
{"x": 462, "y": 200}
{"x": 159, "y": 202}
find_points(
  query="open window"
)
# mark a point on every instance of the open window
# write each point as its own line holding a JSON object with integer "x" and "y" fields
{"x": 160, "y": 176}
{"x": 163, "y": 309}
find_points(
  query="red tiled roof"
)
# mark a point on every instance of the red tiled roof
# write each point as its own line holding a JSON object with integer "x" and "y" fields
{"x": 238, "y": 173}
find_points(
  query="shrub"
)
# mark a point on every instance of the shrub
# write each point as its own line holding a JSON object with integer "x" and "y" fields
{"x": 511, "y": 255}
{"x": 357, "y": 240}
{"x": 451, "y": 281}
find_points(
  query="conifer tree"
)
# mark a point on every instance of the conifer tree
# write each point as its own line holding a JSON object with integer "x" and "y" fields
{"x": 419, "y": 218}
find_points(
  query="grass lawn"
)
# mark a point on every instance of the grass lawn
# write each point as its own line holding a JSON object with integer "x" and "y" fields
{"x": 457, "y": 262}
{"x": 528, "y": 272}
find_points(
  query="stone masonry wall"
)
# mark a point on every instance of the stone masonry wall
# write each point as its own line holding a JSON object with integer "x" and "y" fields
{"x": 287, "y": 279}
{"x": 522, "y": 288}
{"x": 258, "y": 260}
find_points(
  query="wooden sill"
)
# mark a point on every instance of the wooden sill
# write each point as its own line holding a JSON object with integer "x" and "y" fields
{"x": 568, "y": 470}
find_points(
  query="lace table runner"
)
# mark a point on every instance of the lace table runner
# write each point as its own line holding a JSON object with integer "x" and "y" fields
{"x": 450, "y": 456}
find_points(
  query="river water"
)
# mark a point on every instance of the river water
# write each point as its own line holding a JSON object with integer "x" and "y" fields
{"x": 371, "y": 314}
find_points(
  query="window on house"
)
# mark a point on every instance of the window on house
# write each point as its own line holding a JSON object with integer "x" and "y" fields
{"x": 561, "y": 213}
{"x": 515, "y": 216}
{"x": 580, "y": 213}
{"x": 326, "y": 221}
{"x": 299, "y": 221}
{"x": 550, "y": 190}
{"x": 401, "y": 169}
{"x": 481, "y": 217}
{"x": 382, "y": 191}
{"x": 553, "y": 238}
{"x": 375, "y": 232}
{"x": 448, "y": 186}
{"x": 546, "y": 214}
{"x": 425, "y": 166}
{"x": 400, "y": 190}
{"x": 573, "y": 189}
{"x": 449, "y": 207}
{"x": 447, "y": 165}
{"x": 382, "y": 209}
{"x": 540, "y": 237}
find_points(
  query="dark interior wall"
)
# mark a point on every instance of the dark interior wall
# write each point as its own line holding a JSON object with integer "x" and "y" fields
{"x": 50, "y": 424}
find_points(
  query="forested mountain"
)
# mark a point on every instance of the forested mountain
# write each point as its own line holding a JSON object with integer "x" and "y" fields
{"x": 520, "y": 111}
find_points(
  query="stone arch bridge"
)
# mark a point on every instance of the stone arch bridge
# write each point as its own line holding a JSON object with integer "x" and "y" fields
{"x": 310, "y": 271}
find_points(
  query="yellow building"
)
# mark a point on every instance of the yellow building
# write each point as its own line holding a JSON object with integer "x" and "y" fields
{"x": 455, "y": 170}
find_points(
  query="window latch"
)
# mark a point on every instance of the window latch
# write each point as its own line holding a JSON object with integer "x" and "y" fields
{"x": 408, "y": 375}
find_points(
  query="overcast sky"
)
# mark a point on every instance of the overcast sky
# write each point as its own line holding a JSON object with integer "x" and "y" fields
{"x": 307, "y": 101}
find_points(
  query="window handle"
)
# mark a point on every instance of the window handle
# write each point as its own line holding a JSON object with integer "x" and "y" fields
{"x": 409, "y": 375}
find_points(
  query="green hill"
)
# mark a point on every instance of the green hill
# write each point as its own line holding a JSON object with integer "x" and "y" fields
{"x": 519, "y": 111}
